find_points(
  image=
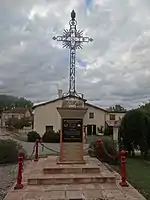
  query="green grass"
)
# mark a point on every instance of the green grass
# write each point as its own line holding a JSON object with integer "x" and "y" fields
{"x": 138, "y": 174}
{"x": 92, "y": 138}
{"x": 21, "y": 137}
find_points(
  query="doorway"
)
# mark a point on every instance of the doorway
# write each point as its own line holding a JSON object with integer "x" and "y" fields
{"x": 91, "y": 129}
{"x": 94, "y": 129}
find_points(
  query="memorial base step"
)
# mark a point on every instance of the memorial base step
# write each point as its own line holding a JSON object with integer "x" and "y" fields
{"x": 71, "y": 169}
{"x": 70, "y": 179}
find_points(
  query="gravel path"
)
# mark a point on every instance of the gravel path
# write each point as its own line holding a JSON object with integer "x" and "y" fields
{"x": 7, "y": 178}
{"x": 8, "y": 174}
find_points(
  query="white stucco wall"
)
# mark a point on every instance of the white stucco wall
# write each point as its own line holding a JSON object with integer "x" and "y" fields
{"x": 115, "y": 134}
{"x": 47, "y": 115}
{"x": 117, "y": 116}
{"x": 99, "y": 116}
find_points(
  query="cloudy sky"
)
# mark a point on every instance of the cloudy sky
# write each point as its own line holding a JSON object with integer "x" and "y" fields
{"x": 113, "y": 69}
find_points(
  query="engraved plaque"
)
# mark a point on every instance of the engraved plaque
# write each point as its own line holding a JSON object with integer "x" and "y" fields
{"x": 72, "y": 103}
{"x": 72, "y": 130}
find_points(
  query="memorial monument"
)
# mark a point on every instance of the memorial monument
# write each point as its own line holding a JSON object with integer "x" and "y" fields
{"x": 72, "y": 110}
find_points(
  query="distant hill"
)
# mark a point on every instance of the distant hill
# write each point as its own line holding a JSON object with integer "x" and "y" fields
{"x": 8, "y": 102}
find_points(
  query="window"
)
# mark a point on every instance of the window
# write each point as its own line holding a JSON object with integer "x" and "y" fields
{"x": 49, "y": 128}
{"x": 112, "y": 117}
{"x": 91, "y": 115}
{"x": 120, "y": 118}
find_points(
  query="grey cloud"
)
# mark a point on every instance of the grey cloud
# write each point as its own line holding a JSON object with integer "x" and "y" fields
{"x": 32, "y": 64}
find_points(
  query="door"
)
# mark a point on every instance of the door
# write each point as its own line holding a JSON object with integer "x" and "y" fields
{"x": 94, "y": 129}
{"x": 89, "y": 129}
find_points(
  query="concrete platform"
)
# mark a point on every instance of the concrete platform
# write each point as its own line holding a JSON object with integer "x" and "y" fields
{"x": 54, "y": 173}
{"x": 71, "y": 169}
{"x": 76, "y": 191}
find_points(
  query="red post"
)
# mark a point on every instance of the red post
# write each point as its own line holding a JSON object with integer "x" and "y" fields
{"x": 36, "y": 150}
{"x": 99, "y": 143}
{"x": 123, "y": 182}
{"x": 19, "y": 184}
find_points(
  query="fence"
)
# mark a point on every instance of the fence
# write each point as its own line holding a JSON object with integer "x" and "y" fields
{"x": 35, "y": 156}
{"x": 121, "y": 155}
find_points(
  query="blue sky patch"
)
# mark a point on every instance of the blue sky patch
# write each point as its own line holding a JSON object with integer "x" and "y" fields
{"x": 88, "y": 4}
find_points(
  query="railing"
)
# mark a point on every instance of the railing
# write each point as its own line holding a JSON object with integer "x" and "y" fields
{"x": 121, "y": 155}
{"x": 35, "y": 155}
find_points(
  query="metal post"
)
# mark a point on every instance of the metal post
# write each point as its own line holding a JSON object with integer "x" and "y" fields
{"x": 36, "y": 150}
{"x": 19, "y": 184}
{"x": 99, "y": 142}
{"x": 72, "y": 39}
{"x": 123, "y": 182}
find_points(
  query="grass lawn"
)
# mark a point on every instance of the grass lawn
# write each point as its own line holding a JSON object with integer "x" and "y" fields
{"x": 92, "y": 138}
{"x": 21, "y": 137}
{"x": 138, "y": 174}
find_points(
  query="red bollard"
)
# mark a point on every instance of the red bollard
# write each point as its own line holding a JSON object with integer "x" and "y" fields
{"x": 37, "y": 150}
{"x": 99, "y": 143}
{"x": 123, "y": 182}
{"x": 20, "y": 169}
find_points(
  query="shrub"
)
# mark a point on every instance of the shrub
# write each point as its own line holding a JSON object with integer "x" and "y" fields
{"x": 32, "y": 136}
{"x": 51, "y": 137}
{"x": 9, "y": 151}
{"x": 108, "y": 131}
{"x": 111, "y": 148}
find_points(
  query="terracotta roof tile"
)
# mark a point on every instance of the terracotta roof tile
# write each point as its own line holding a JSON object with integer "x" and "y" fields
{"x": 17, "y": 110}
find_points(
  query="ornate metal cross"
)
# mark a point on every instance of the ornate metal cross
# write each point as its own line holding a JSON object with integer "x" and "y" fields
{"x": 72, "y": 39}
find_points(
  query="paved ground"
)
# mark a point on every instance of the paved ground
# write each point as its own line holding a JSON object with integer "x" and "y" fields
{"x": 99, "y": 191}
{"x": 54, "y": 146}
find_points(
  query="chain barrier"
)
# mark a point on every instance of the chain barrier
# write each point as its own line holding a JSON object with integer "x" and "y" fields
{"x": 108, "y": 154}
{"x": 54, "y": 151}
{"x": 86, "y": 149}
{"x": 31, "y": 156}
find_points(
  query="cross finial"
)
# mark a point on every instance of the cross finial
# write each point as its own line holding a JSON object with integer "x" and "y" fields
{"x": 72, "y": 39}
{"x": 73, "y": 15}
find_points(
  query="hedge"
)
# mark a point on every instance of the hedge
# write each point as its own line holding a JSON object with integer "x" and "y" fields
{"x": 32, "y": 136}
{"x": 111, "y": 148}
{"x": 9, "y": 150}
{"x": 51, "y": 137}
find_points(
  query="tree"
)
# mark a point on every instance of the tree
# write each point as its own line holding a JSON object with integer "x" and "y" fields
{"x": 9, "y": 102}
{"x": 18, "y": 123}
{"x": 134, "y": 130}
{"x": 116, "y": 108}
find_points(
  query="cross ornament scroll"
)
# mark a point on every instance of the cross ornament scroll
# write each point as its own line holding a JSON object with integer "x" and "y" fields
{"x": 72, "y": 39}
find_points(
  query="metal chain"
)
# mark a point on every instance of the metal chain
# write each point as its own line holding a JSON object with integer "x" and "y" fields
{"x": 108, "y": 154}
{"x": 87, "y": 149}
{"x": 30, "y": 157}
{"x": 49, "y": 148}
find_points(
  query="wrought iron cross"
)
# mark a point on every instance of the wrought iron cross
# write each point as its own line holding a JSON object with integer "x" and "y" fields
{"x": 72, "y": 39}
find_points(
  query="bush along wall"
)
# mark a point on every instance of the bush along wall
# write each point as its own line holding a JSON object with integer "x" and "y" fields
{"x": 110, "y": 147}
{"x": 32, "y": 136}
{"x": 51, "y": 137}
{"x": 9, "y": 150}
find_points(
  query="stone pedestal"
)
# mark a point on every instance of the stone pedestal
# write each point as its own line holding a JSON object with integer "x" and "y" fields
{"x": 71, "y": 136}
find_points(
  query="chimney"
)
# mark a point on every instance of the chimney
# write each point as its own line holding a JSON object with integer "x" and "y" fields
{"x": 60, "y": 93}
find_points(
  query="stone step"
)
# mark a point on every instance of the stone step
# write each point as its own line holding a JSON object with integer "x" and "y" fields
{"x": 71, "y": 169}
{"x": 56, "y": 179}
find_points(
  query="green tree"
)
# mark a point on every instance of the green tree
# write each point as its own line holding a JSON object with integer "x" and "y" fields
{"x": 135, "y": 130}
{"x": 18, "y": 123}
{"x": 9, "y": 102}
